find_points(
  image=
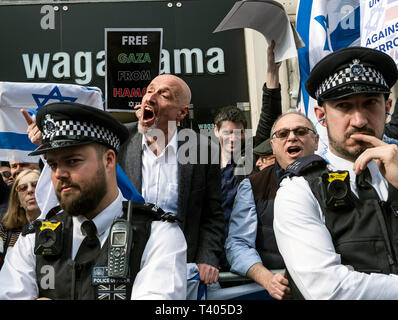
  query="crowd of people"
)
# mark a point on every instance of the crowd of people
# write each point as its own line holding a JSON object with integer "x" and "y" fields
{"x": 330, "y": 222}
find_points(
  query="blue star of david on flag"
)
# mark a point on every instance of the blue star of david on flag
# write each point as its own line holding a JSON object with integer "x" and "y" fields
{"x": 42, "y": 99}
{"x": 14, "y": 142}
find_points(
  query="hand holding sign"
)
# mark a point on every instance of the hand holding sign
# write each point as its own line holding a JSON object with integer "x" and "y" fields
{"x": 270, "y": 19}
{"x": 34, "y": 134}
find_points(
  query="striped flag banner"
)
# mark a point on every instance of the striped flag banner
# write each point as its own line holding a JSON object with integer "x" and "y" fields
{"x": 379, "y": 26}
{"x": 14, "y": 142}
{"x": 324, "y": 26}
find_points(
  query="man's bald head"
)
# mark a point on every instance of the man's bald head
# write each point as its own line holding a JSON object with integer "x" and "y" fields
{"x": 183, "y": 92}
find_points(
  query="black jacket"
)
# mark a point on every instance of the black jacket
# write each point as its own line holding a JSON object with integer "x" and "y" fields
{"x": 199, "y": 197}
{"x": 271, "y": 109}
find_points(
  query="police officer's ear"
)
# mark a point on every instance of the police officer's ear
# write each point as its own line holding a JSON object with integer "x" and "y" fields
{"x": 388, "y": 106}
{"x": 320, "y": 114}
{"x": 109, "y": 159}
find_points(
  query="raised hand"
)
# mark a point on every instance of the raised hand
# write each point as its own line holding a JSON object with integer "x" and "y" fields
{"x": 34, "y": 134}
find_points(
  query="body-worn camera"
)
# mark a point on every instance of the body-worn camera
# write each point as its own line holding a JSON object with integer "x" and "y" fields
{"x": 337, "y": 189}
{"x": 48, "y": 238}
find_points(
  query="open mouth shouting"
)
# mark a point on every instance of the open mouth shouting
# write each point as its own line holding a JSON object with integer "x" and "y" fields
{"x": 294, "y": 151}
{"x": 148, "y": 115}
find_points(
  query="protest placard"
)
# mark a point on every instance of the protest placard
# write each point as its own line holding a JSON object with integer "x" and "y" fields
{"x": 132, "y": 60}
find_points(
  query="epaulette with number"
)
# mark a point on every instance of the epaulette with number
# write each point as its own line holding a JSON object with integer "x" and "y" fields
{"x": 151, "y": 209}
{"x": 301, "y": 165}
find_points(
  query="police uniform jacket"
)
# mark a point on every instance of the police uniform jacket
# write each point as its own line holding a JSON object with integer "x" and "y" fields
{"x": 307, "y": 246}
{"x": 163, "y": 258}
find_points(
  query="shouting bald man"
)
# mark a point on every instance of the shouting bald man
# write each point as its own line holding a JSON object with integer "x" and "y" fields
{"x": 166, "y": 169}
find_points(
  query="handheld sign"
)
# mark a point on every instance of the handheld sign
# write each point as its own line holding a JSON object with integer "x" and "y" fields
{"x": 132, "y": 60}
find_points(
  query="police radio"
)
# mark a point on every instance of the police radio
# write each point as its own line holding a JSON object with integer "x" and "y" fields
{"x": 121, "y": 236}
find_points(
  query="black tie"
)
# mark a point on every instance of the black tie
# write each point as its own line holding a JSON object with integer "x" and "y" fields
{"x": 90, "y": 247}
{"x": 364, "y": 185}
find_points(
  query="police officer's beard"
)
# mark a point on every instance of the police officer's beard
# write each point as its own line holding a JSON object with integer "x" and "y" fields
{"x": 342, "y": 149}
{"x": 90, "y": 195}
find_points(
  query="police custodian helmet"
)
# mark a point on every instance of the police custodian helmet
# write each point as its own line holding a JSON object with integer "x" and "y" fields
{"x": 349, "y": 71}
{"x": 69, "y": 124}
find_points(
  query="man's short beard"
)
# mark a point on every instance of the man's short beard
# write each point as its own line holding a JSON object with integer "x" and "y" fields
{"x": 340, "y": 148}
{"x": 349, "y": 155}
{"x": 89, "y": 198}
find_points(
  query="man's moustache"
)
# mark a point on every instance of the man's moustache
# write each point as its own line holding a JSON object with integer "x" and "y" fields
{"x": 361, "y": 131}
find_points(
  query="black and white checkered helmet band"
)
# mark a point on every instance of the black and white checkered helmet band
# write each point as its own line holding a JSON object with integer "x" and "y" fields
{"x": 369, "y": 76}
{"x": 76, "y": 130}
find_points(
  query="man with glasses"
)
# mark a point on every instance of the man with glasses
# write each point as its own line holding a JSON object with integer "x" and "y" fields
{"x": 250, "y": 246}
{"x": 336, "y": 222}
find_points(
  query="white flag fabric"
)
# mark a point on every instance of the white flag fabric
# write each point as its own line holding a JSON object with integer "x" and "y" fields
{"x": 14, "y": 142}
{"x": 324, "y": 26}
{"x": 379, "y": 26}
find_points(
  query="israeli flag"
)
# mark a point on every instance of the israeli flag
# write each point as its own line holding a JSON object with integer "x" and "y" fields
{"x": 324, "y": 26}
{"x": 14, "y": 142}
{"x": 379, "y": 26}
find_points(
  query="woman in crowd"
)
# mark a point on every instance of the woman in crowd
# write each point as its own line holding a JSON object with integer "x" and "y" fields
{"x": 22, "y": 210}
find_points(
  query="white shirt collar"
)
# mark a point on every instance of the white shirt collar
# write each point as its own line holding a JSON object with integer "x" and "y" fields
{"x": 378, "y": 181}
{"x": 338, "y": 163}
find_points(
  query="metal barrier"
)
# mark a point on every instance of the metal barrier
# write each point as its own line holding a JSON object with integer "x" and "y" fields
{"x": 230, "y": 276}
{"x": 233, "y": 286}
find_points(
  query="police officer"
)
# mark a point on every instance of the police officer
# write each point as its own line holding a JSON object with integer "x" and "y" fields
{"x": 336, "y": 225}
{"x": 66, "y": 256}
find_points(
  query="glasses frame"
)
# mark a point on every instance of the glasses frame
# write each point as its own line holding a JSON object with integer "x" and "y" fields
{"x": 306, "y": 129}
{"x": 25, "y": 187}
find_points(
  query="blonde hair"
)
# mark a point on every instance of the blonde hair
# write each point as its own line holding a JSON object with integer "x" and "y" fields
{"x": 15, "y": 217}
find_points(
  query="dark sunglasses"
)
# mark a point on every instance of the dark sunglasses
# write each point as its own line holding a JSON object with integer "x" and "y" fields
{"x": 24, "y": 186}
{"x": 298, "y": 132}
{"x": 6, "y": 174}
